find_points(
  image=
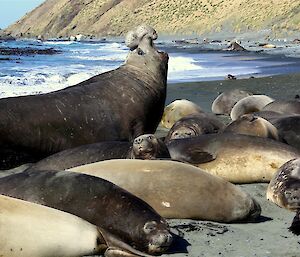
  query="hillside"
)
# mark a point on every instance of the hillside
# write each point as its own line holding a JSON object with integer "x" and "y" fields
{"x": 56, "y": 18}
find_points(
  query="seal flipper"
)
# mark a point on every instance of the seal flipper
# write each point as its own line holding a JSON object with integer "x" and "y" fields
{"x": 201, "y": 156}
{"x": 118, "y": 248}
{"x": 295, "y": 227}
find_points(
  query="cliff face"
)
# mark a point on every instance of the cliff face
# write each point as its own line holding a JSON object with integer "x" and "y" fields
{"x": 56, "y": 18}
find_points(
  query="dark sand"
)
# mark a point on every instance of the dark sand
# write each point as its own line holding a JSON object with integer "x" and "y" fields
{"x": 269, "y": 236}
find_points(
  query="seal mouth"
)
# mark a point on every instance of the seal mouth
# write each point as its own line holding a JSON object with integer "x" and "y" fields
{"x": 163, "y": 56}
{"x": 161, "y": 244}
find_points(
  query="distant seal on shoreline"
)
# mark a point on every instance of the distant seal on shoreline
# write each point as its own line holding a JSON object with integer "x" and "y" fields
{"x": 236, "y": 158}
{"x": 97, "y": 201}
{"x": 65, "y": 234}
{"x": 249, "y": 124}
{"x": 177, "y": 110}
{"x": 224, "y": 103}
{"x": 198, "y": 195}
{"x": 194, "y": 125}
{"x": 249, "y": 104}
{"x": 117, "y": 105}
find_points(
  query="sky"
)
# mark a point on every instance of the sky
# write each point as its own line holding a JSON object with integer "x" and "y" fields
{"x": 13, "y": 10}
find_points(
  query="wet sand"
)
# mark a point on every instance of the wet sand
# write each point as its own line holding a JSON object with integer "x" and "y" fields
{"x": 269, "y": 236}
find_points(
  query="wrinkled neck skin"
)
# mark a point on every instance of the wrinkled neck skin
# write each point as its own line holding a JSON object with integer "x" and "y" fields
{"x": 146, "y": 59}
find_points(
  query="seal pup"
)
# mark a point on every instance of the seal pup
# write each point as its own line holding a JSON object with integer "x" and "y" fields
{"x": 249, "y": 124}
{"x": 143, "y": 147}
{"x": 225, "y": 101}
{"x": 95, "y": 200}
{"x": 236, "y": 158}
{"x": 29, "y": 229}
{"x": 177, "y": 110}
{"x": 148, "y": 147}
{"x": 249, "y": 104}
{"x": 117, "y": 105}
{"x": 198, "y": 194}
{"x": 194, "y": 125}
{"x": 284, "y": 190}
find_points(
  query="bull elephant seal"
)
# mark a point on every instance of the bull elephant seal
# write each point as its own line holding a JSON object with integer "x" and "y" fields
{"x": 284, "y": 190}
{"x": 149, "y": 147}
{"x": 29, "y": 229}
{"x": 117, "y": 105}
{"x": 252, "y": 125}
{"x": 286, "y": 107}
{"x": 194, "y": 125}
{"x": 177, "y": 110}
{"x": 224, "y": 103}
{"x": 95, "y": 200}
{"x": 250, "y": 104}
{"x": 206, "y": 197}
{"x": 236, "y": 158}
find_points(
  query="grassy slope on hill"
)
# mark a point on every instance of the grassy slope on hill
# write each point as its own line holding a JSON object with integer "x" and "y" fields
{"x": 115, "y": 17}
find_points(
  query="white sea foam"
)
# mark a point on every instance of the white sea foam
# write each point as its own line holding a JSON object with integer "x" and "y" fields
{"x": 59, "y": 42}
{"x": 180, "y": 63}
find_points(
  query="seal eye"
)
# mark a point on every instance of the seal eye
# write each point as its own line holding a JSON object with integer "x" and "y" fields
{"x": 140, "y": 52}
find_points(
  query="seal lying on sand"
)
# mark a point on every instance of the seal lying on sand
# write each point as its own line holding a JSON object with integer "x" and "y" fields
{"x": 250, "y": 104}
{"x": 224, "y": 103}
{"x": 96, "y": 200}
{"x": 194, "y": 125}
{"x": 143, "y": 147}
{"x": 236, "y": 158}
{"x": 177, "y": 110}
{"x": 28, "y": 229}
{"x": 177, "y": 190}
{"x": 284, "y": 190}
{"x": 286, "y": 107}
{"x": 117, "y": 105}
{"x": 252, "y": 125}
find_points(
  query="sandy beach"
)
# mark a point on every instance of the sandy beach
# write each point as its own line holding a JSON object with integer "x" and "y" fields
{"x": 267, "y": 237}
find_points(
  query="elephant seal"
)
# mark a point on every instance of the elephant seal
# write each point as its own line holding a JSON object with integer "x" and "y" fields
{"x": 29, "y": 229}
{"x": 116, "y": 105}
{"x": 177, "y": 110}
{"x": 224, "y": 103}
{"x": 85, "y": 154}
{"x": 95, "y": 200}
{"x": 194, "y": 125}
{"x": 236, "y": 158}
{"x": 249, "y": 124}
{"x": 250, "y": 104}
{"x": 149, "y": 147}
{"x": 289, "y": 129}
{"x": 284, "y": 190}
{"x": 286, "y": 107}
{"x": 206, "y": 197}
{"x": 143, "y": 147}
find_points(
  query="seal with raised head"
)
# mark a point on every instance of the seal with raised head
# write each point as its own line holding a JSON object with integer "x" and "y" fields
{"x": 95, "y": 200}
{"x": 28, "y": 229}
{"x": 249, "y": 124}
{"x": 194, "y": 125}
{"x": 284, "y": 190}
{"x": 198, "y": 195}
{"x": 177, "y": 110}
{"x": 225, "y": 101}
{"x": 117, "y": 105}
{"x": 249, "y": 104}
{"x": 236, "y": 158}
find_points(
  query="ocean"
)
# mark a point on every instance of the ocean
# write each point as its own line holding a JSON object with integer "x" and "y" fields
{"x": 78, "y": 61}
